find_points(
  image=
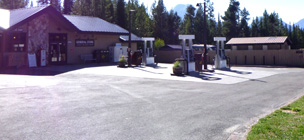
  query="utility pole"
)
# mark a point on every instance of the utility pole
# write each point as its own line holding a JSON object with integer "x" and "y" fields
{"x": 205, "y": 38}
{"x": 129, "y": 47}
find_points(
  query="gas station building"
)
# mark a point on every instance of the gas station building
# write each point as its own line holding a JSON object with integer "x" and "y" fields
{"x": 59, "y": 39}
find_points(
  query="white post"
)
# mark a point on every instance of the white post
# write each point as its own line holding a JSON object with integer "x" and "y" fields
{"x": 151, "y": 45}
{"x": 145, "y": 53}
{"x": 217, "y": 56}
{"x": 183, "y": 48}
{"x": 190, "y": 44}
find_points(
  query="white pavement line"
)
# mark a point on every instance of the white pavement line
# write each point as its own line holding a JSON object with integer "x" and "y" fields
{"x": 17, "y": 81}
{"x": 129, "y": 93}
{"x": 232, "y": 128}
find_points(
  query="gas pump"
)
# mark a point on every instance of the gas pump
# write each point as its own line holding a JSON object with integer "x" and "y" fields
{"x": 187, "y": 53}
{"x": 148, "y": 58}
{"x": 220, "y": 61}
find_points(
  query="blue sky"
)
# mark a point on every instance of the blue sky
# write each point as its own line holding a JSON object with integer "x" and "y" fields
{"x": 291, "y": 11}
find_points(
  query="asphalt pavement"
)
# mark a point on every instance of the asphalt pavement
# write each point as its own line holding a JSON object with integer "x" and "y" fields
{"x": 109, "y": 103}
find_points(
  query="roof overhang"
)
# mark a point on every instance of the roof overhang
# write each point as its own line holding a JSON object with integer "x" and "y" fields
{"x": 134, "y": 38}
{"x": 186, "y": 37}
{"x": 259, "y": 41}
{"x": 148, "y": 38}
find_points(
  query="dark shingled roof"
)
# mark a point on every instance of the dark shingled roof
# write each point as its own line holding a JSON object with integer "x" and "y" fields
{"x": 172, "y": 47}
{"x": 258, "y": 40}
{"x": 17, "y": 15}
{"x": 94, "y": 24}
{"x": 82, "y": 23}
{"x": 134, "y": 38}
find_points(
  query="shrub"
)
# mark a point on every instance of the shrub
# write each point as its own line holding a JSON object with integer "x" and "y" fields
{"x": 159, "y": 43}
{"x": 122, "y": 59}
{"x": 176, "y": 64}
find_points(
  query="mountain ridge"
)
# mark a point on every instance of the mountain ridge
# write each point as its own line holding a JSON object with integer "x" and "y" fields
{"x": 300, "y": 23}
{"x": 181, "y": 10}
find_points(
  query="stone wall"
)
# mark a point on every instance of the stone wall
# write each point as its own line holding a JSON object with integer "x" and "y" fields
{"x": 38, "y": 34}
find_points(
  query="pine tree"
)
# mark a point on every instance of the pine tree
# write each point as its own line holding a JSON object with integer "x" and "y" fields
{"x": 219, "y": 31}
{"x": 132, "y": 5}
{"x": 55, "y": 3}
{"x": 254, "y": 32}
{"x": 43, "y": 2}
{"x": 231, "y": 19}
{"x": 67, "y": 6}
{"x": 211, "y": 23}
{"x": 109, "y": 11}
{"x": 244, "y": 30}
{"x": 120, "y": 14}
{"x": 189, "y": 20}
{"x": 102, "y": 13}
{"x": 265, "y": 24}
{"x": 274, "y": 23}
{"x": 174, "y": 21}
{"x": 142, "y": 22}
{"x": 83, "y": 7}
{"x": 199, "y": 24}
{"x": 159, "y": 14}
{"x": 13, "y": 4}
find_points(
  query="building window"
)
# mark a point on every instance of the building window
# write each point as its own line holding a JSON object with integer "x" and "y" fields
{"x": 17, "y": 41}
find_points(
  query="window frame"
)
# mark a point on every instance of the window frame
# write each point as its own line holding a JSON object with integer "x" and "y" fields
{"x": 16, "y": 40}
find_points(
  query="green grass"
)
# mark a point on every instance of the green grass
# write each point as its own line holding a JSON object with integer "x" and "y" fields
{"x": 280, "y": 125}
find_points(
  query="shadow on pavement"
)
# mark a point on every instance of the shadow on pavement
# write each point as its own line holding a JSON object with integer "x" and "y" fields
{"x": 142, "y": 69}
{"x": 211, "y": 76}
{"x": 204, "y": 76}
{"x": 238, "y": 72}
{"x": 49, "y": 70}
{"x": 241, "y": 77}
{"x": 156, "y": 66}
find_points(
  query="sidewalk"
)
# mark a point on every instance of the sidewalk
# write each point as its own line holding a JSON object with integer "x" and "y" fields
{"x": 162, "y": 71}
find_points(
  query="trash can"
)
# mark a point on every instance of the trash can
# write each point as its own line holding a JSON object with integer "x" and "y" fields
{"x": 105, "y": 56}
{"x": 198, "y": 62}
{"x": 184, "y": 64}
{"x": 137, "y": 58}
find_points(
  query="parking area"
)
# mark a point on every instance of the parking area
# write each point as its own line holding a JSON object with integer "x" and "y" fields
{"x": 162, "y": 71}
{"x": 106, "y": 102}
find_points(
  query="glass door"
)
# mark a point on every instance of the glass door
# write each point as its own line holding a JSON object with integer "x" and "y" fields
{"x": 58, "y": 49}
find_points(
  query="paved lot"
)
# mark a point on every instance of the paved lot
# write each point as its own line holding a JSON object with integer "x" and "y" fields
{"x": 73, "y": 102}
